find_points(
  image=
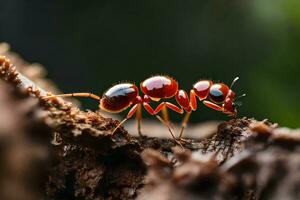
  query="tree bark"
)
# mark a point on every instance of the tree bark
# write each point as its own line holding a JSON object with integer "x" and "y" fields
{"x": 50, "y": 149}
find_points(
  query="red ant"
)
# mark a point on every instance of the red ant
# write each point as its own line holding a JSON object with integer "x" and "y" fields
{"x": 121, "y": 96}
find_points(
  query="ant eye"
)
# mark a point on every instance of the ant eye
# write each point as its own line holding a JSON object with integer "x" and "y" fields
{"x": 218, "y": 92}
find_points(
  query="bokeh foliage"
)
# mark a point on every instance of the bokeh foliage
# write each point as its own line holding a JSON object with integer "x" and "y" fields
{"x": 88, "y": 46}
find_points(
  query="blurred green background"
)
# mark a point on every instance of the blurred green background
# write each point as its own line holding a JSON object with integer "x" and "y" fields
{"x": 89, "y": 45}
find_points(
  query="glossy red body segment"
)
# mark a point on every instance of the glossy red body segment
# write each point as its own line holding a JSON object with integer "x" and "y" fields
{"x": 218, "y": 92}
{"x": 201, "y": 88}
{"x": 182, "y": 99}
{"x": 159, "y": 87}
{"x": 146, "y": 99}
{"x": 119, "y": 97}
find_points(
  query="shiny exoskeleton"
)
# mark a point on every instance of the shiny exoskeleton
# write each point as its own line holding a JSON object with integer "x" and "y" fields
{"x": 120, "y": 97}
{"x": 124, "y": 95}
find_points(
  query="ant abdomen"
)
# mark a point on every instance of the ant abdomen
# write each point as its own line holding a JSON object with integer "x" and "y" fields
{"x": 119, "y": 97}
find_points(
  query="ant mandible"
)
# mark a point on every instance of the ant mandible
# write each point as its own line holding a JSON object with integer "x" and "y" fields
{"x": 124, "y": 95}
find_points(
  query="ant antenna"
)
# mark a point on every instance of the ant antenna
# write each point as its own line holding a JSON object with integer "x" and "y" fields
{"x": 234, "y": 81}
{"x": 243, "y": 95}
{"x": 238, "y": 103}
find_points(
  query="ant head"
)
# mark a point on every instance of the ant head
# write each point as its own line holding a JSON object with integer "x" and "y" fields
{"x": 230, "y": 104}
{"x": 229, "y": 107}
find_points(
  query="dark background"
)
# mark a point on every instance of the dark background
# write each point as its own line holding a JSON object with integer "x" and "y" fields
{"x": 87, "y": 46}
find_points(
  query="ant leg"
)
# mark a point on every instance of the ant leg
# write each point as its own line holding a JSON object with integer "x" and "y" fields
{"x": 162, "y": 121}
{"x": 159, "y": 107}
{"x": 174, "y": 108}
{"x": 193, "y": 104}
{"x": 129, "y": 115}
{"x": 150, "y": 110}
{"x": 162, "y": 107}
{"x": 87, "y": 95}
{"x": 193, "y": 100}
{"x": 165, "y": 114}
{"x": 139, "y": 118}
{"x": 184, "y": 123}
{"x": 213, "y": 106}
{"x": 168, "y": 105}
